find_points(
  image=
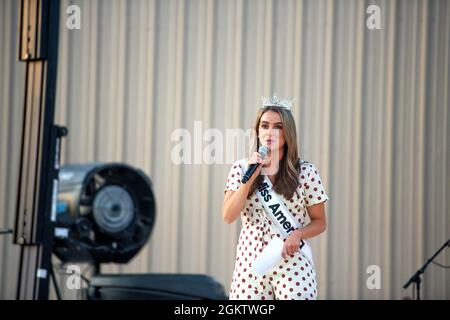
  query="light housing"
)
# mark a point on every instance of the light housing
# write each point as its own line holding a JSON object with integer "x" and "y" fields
{"x": 105, "y": 213}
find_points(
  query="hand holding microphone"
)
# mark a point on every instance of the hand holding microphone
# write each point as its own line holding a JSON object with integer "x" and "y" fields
{"x": 255, "y": 161}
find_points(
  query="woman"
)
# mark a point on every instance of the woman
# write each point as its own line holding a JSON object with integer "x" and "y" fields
{"x": 298, "y": 186}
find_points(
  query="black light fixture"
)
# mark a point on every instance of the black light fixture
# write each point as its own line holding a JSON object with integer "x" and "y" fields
{"x": 105, "y": 213}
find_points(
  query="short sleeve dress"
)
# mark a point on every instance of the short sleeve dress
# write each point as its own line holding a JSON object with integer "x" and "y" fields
{"x": 294, "y": 277}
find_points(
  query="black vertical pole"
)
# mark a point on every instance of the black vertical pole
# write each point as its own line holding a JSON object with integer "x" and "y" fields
{"x": 39, "y": 159}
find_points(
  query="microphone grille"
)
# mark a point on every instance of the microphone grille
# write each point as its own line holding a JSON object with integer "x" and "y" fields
{"x": 263, "y": 150}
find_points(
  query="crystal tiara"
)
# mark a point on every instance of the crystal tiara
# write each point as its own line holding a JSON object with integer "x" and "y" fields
{"x": 276, "y": 102}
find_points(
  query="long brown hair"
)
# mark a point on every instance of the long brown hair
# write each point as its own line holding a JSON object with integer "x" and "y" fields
{"x": 286, "y": 179}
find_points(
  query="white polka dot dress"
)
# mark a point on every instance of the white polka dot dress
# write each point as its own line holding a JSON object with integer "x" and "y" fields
{"x": 292, "y": 278}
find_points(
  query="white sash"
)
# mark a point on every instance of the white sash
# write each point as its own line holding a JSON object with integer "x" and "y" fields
{"x": 280, "y": 216}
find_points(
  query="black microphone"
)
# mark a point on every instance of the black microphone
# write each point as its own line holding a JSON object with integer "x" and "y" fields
{"x": 263, "y": 150}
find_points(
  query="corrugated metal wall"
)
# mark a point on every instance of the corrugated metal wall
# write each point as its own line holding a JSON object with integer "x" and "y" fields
{"x": 12, "y": 76}
{"x": 372, "y": 110}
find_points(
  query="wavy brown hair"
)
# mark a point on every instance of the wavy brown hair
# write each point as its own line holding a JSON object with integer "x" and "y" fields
{"x": 286, "y": 179}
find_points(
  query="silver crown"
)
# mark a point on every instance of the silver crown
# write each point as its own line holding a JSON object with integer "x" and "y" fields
{"x": 275, "y": 101}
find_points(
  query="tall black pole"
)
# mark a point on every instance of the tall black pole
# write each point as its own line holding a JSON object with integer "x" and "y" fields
{"x": 39, "y": 159}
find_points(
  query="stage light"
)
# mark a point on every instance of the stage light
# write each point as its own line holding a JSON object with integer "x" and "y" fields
{"x": 105, "y": 213}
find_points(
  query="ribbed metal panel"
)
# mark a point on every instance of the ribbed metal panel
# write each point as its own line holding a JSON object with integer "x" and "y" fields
{"x": 12, "y": 75}
{"x": 372, "y": 110}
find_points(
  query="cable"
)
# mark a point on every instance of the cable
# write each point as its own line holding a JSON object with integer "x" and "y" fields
{"x": 82, "y": 294}
{"x": 440, "y": 265}
{"x": 55, "y": 283}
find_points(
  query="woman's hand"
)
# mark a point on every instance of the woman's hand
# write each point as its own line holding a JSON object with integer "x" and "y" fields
{"x": 256, "y": 158}
{"x": 292, "y": 244}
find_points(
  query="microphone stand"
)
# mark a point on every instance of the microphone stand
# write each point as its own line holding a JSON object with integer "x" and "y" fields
{"x": 416, "y": 277}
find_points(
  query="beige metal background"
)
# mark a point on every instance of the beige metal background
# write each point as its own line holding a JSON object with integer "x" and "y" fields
{"x": 372, "y": 109}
